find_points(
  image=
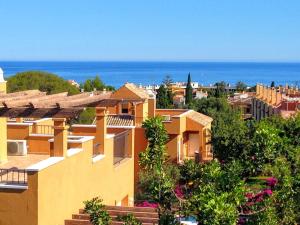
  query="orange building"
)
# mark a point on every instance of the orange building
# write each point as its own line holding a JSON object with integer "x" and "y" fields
{"x": 49, "y": 166}
{"x": 283, "y": 101}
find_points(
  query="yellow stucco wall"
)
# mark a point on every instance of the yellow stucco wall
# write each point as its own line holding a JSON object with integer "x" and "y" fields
{"x": 58, "y": 191}
{"x": 19, "y": 207}
{"x": 3, "y": 88}
{"x": 77, "y": 179}
{"x": 17, "y": 132}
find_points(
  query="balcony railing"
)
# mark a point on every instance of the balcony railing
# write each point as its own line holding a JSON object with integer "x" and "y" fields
{"x": 42, "y": 129}
{"x": 121, "y": 147}
{"x": 13, "y": 176}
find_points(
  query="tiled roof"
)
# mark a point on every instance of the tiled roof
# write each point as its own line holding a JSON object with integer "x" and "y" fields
{"x": 136, "y": 90}
{"x": 199, "y": 117}
{"x": 119, "y": 120}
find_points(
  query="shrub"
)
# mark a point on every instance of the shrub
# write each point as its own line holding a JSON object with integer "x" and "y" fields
{"x": 98, "y": 215}
{"x": 129, "y": 219}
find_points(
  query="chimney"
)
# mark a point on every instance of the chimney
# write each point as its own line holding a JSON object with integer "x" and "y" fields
{"x": 100, "y": 129}
{"x": 60, "y": 138}
{"x": 273, "y": 96}
{"x": 269, "y": 100}
{"x": 278, "y": 98}
{"x": 151, "y": 107}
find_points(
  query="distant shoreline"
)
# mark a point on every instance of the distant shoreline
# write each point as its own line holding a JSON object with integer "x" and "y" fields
{"x": 116, "y": 73}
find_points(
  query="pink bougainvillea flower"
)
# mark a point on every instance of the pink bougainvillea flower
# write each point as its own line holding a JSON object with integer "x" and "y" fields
{"x": 268, "y": 192}
{"x": 271, "y": 181}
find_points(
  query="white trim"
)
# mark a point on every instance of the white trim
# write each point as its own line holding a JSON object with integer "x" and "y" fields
{"x": 129, "y": 127}
{"x": 94, "y": 126}
{"x": 44, "y": 164}
{"x": 97, "y": 158}
{"x": 110, "y": 136}
{"x": 41, "y": 135}
{"x": 41, "y": 120}
{"x": 13, "y": 186}
{"x": 20, "y": 124}
{"x": 81, "y": 139}
{"x": 73, "y": 151}
{"x": 83, "y": 125}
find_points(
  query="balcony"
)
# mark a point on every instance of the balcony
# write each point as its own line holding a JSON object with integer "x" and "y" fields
{"x": 121, "y": 147}
{"x": 13, "y": 173}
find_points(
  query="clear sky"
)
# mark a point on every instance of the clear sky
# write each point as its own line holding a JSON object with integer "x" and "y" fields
{"x": 181, "y": 30}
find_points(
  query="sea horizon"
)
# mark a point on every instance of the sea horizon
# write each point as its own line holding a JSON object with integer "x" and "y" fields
{"x": 116, "y": 73}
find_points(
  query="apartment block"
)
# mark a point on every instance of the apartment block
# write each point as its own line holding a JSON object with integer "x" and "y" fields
{"x": 49, "y": 165}
{"x": 283, "y": 101}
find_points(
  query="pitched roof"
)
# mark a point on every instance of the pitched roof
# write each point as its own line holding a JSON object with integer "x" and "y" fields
{"x": 119, "y": 120}
{"x": 199, "y": 117}
{"x": 134, "y": 92}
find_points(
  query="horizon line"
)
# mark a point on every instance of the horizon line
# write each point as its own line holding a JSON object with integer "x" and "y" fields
{"x": 161, "y": 61}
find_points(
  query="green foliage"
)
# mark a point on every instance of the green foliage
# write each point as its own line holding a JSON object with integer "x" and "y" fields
{"x": 87, "y": 116}
{"x": 284, "y": 192}
{"x": 188, "y": 91}
{"x": 40, "y": 80}
{"x": 272, "y": 84}
{"x": 156, "y": 134}
{"x": 219, "y": 91}
{"x": 217, "y": 197}
{"x": 97, "y": 212}
{"x": 164, "y": 97}
{"x": 129, "y": 219}
{"x": 96, "y": 84}
{"x": 157, "y": 178}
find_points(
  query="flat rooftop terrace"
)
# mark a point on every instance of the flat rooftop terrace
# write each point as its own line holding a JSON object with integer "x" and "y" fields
{"x": 22, "y": 162}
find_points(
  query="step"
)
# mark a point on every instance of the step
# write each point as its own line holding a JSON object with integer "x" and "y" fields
{"x": 127, "y": 209}
{"x": 131, "y": 209}
{"x": 141, "y": 219}
{"x": 136, "y": 214}
{"x": 77, "y": 222}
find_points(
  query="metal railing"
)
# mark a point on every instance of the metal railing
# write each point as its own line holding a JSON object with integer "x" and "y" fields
{"x": 13, "y": 176}
{"x": 121, "y": 147}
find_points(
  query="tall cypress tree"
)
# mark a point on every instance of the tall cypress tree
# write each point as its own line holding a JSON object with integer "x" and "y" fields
{"x": 188, "y": 91}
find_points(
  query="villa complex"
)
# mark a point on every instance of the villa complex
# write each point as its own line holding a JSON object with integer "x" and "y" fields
{"x": 49, "y": 166}
{"x": 283, "y": 101}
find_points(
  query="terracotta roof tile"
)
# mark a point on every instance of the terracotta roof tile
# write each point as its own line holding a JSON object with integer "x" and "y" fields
{"x": 199, "y": 117}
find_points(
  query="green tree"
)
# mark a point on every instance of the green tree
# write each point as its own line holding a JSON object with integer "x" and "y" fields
{"x": 272, "y": 84}
{"x": 88, "y": 85}
{"x": 163, "y": 98}
{"x": 241, "y": 86}
{"x": 188, "y": 91}
{"x": 98, "y": 84}
{"x": 216, "y": 199}
{"x": 158, "y": 177}
{"x": 43, "y": 81}
{"x": 168, "y": 84}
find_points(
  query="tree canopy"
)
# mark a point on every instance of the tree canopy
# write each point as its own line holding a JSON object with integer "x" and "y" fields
{"x": 43, "y": 81}
{"x": 188, "y": 91}
{"x": 95, "y": 84}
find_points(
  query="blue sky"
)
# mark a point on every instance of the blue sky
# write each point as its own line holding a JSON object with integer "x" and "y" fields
{"x": 180, "y": 30}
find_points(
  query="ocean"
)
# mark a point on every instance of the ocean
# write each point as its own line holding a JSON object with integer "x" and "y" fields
{"x": 206, "y": 73}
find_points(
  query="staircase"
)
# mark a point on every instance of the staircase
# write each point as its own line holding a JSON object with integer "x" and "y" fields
{"x": 148, "y": 216}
